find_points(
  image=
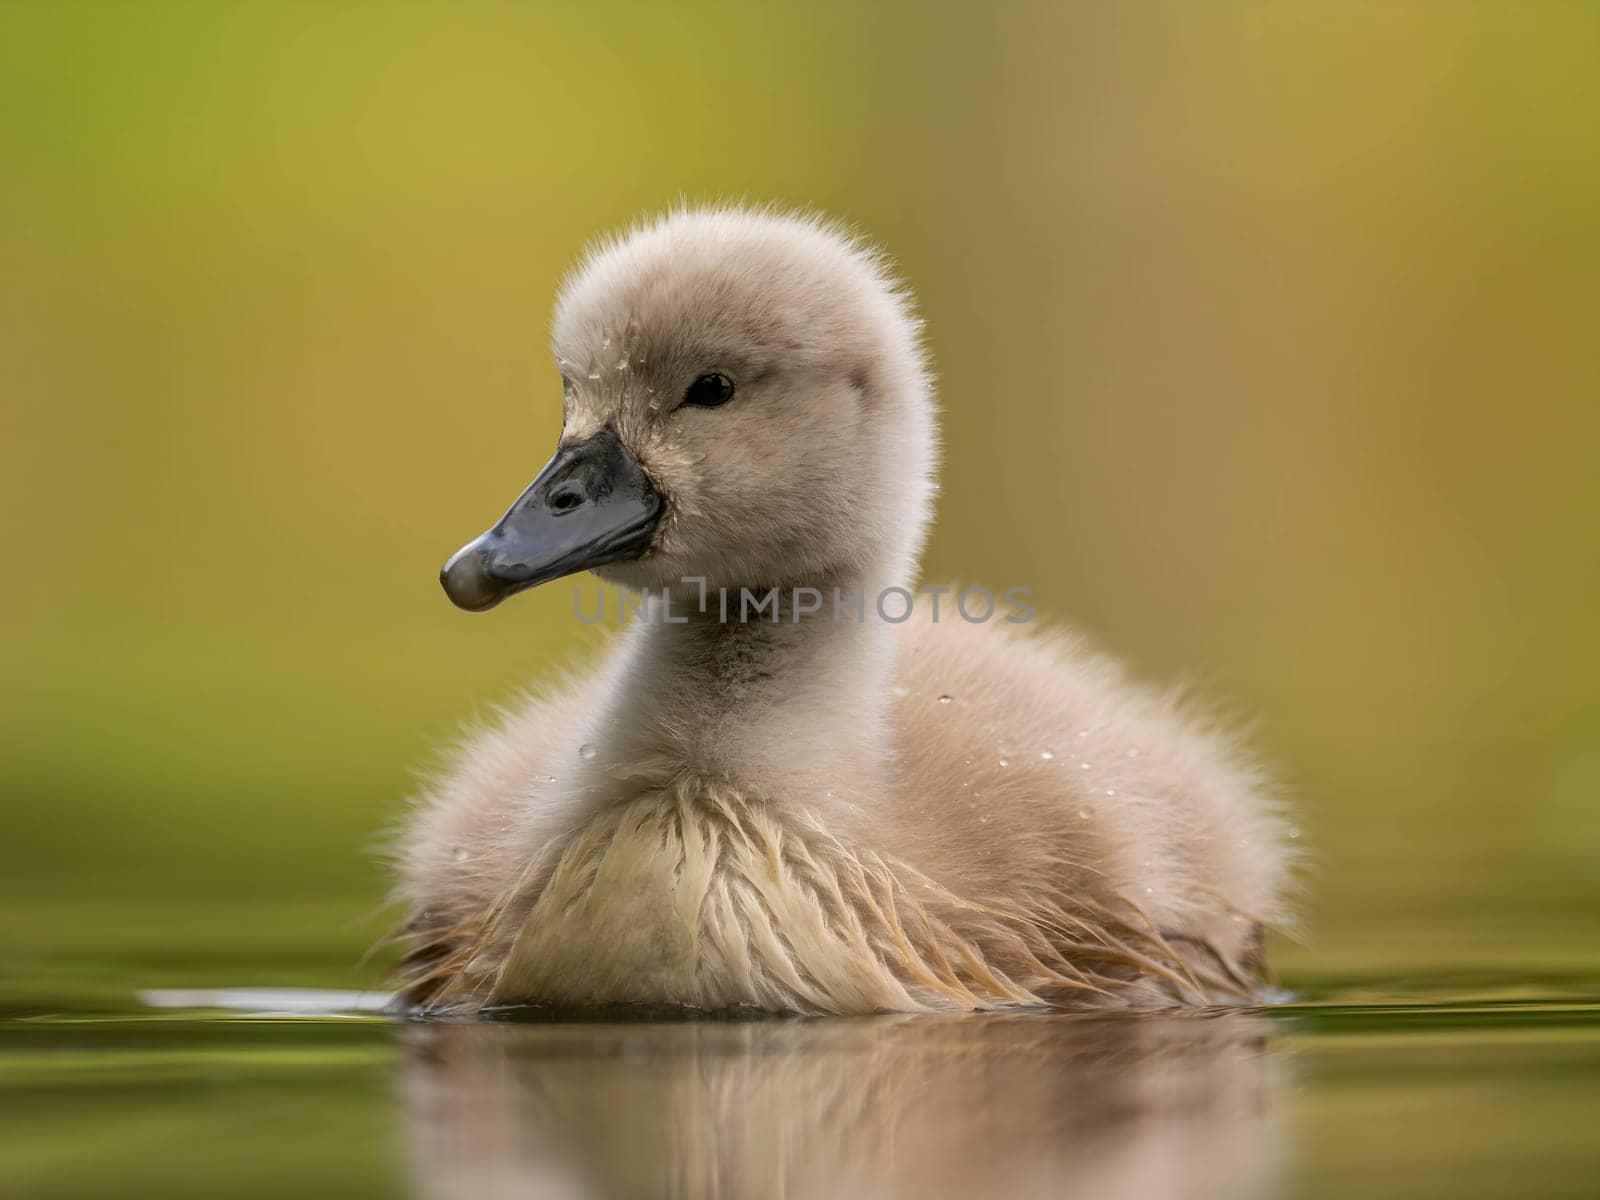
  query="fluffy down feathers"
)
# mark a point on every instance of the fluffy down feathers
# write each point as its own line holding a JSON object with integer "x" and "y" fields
{"x": 819, "y": 815}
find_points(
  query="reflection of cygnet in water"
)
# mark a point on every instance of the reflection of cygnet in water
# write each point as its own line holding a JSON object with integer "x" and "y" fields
{"x": 1009, "y": 1106}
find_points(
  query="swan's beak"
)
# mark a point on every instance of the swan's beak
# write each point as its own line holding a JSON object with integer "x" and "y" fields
{"x": 590, "y": 506}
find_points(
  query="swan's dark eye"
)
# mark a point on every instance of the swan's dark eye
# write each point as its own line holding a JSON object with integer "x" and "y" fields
{"x": 709, "y": 391}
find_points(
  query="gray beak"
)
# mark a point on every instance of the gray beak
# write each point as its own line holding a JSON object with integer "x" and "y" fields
{"x": 590, "y": 506}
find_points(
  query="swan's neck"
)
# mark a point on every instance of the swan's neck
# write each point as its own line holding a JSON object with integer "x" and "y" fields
{"x": 796, "y": 703}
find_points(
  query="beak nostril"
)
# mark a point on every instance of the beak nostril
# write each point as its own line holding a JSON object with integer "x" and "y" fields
{"x": 566, "y": 498}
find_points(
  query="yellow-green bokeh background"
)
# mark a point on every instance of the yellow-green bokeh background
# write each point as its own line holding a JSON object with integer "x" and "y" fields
{"x": 1266, "y": 335}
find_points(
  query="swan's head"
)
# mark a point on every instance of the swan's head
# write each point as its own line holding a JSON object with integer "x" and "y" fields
{"x": 745, "y": 401}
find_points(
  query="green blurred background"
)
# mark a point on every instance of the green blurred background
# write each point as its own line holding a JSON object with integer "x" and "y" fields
{"x": 1266, "y": 336}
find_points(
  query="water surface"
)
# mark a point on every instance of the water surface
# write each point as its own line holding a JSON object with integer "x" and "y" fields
{"x": 284, "y": 1091}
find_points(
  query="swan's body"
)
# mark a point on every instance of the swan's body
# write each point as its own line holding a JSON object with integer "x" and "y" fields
{"x": 833, "y": 812}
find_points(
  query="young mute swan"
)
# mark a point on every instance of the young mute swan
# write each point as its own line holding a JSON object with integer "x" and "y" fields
{"x": 833, "y": 811}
